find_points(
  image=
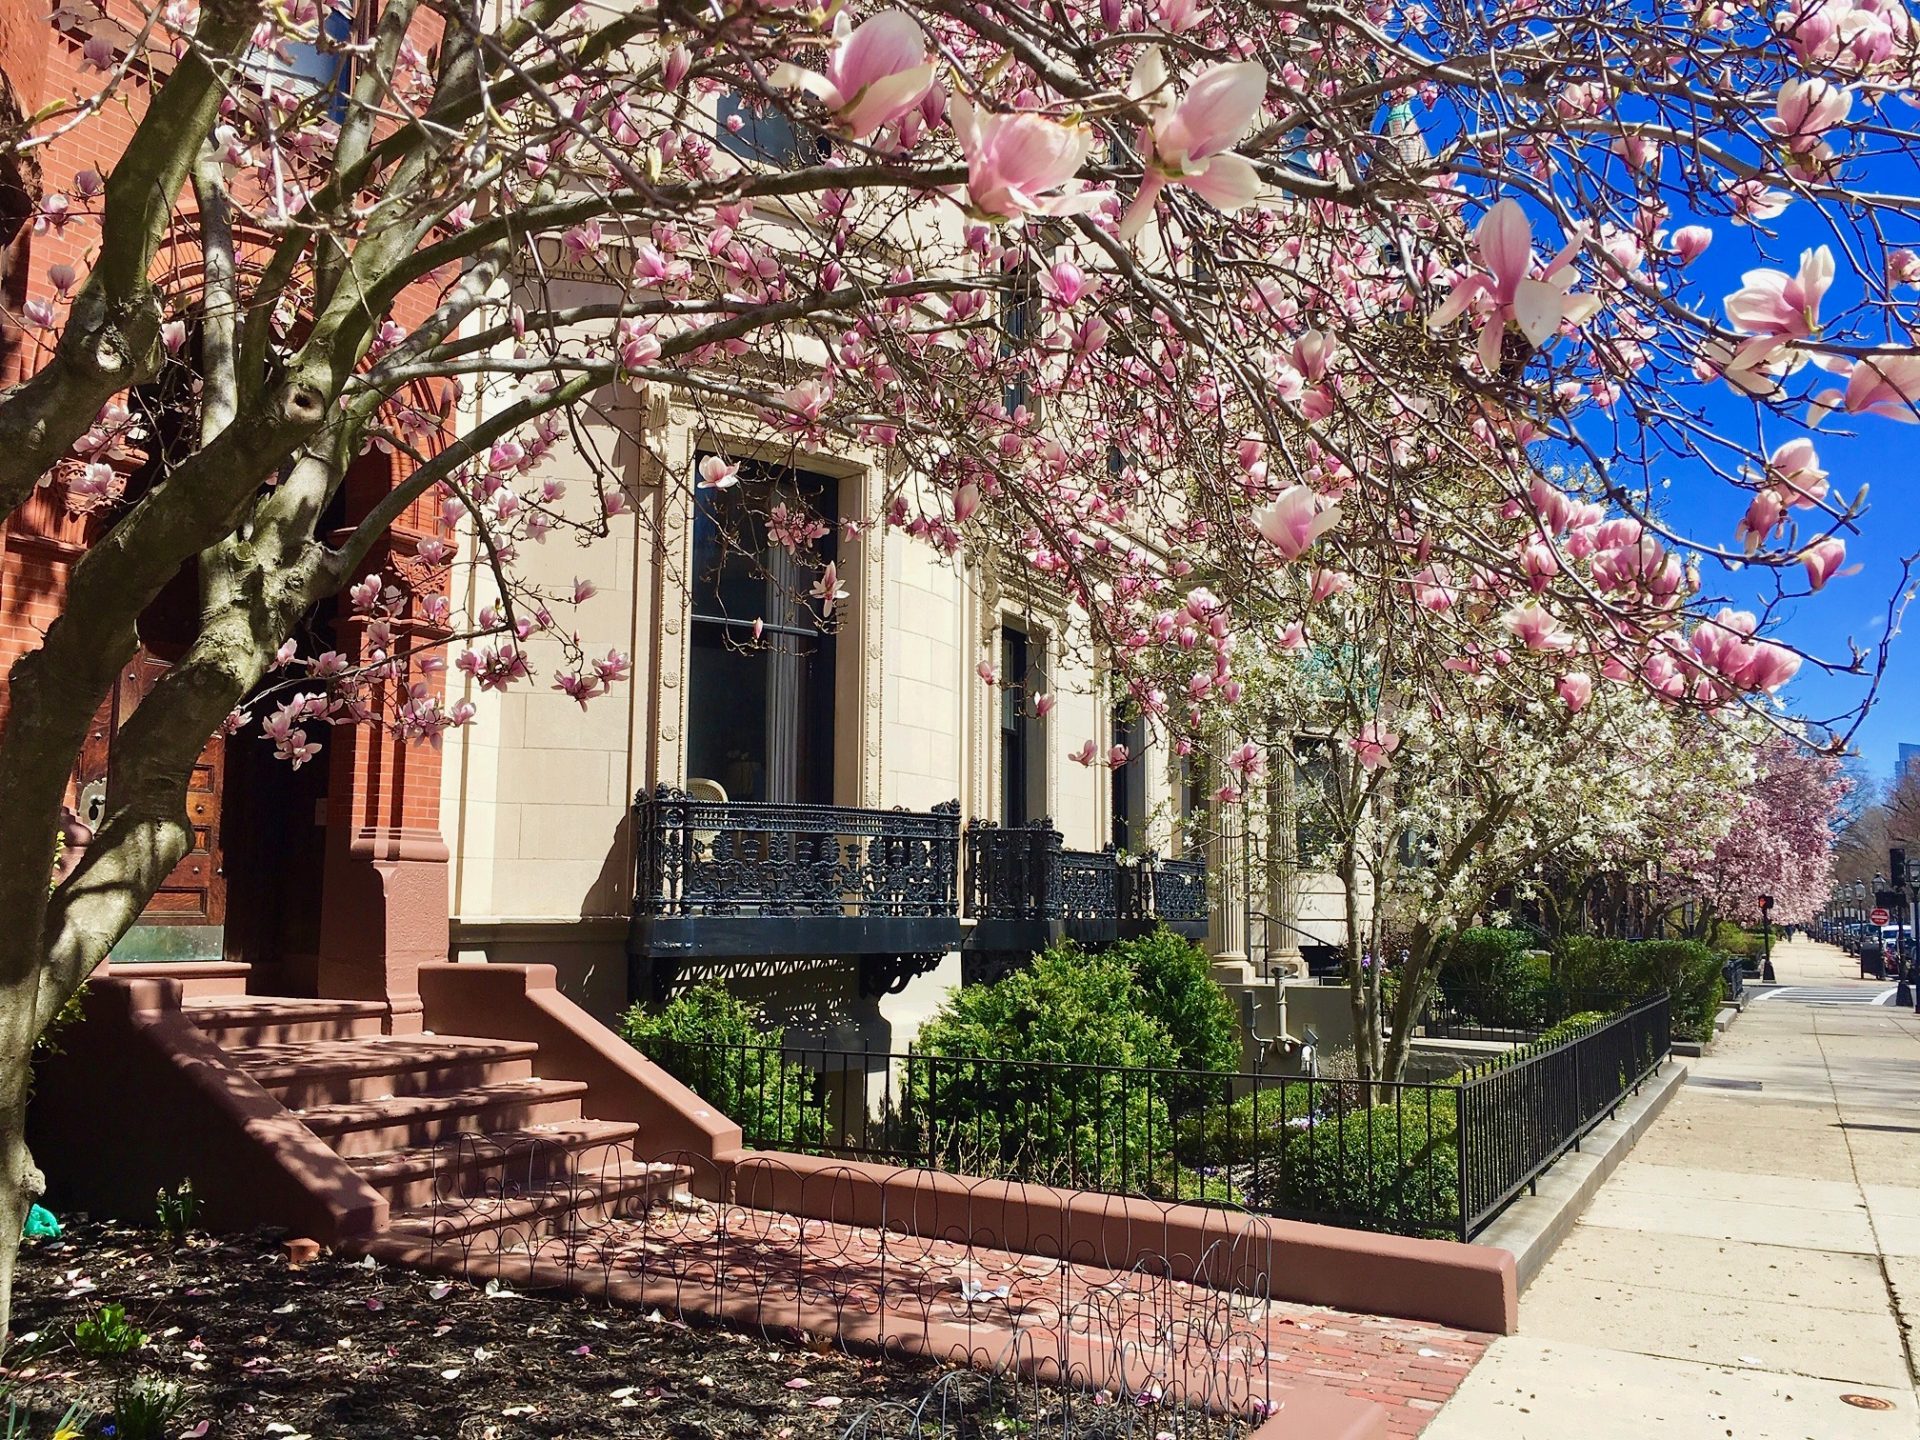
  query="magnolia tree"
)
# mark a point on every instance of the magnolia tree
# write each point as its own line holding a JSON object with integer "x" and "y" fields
{"x": 1434, "y": 749}
{"x": 1103, "y": 281}
{"x": 1780, "y": 843}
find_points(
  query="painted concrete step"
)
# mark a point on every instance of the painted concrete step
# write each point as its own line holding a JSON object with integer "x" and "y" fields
{"x": 238, "y": 1020}
{"x": 494, "y": 1166}
{"x": 568, "y": 1209}
{"x": 305, "y": 1073}
{"x": 367, "y": 1127}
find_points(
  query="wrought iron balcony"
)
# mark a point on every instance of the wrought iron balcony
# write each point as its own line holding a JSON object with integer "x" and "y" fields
{"x": 723, "y": 878}
{"x": 1025, "y": 889}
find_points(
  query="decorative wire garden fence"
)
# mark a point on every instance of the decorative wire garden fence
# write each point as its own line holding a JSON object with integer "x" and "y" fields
{"x": 1018, "y": 1398}
{"x": 1057, "y": 1313}
{"x": 1429, "y": 1157}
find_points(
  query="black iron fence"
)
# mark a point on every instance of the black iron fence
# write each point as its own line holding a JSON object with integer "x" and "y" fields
{"x": 1517, "y": 1118}
{"x": 1502, "y": 1013}
{"x": 1437, "y": 1157}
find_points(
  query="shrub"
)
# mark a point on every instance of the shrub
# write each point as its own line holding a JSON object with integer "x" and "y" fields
{"x": 1015, "y": 1113}
{"x": 1177, "y": 988}
{"x": 1571, "y": 1026}
{"x": 1495, "y": 977}
{"x": 717, "y": 1046}
{"x": 109, "y": 1333}
{"x": 1690, "y": 974}
{"x": 1392, "y": 1167}
{"x": 1256, "y": 1126}
{"x": 1590, "y": 967}
{"x": 1734, "y": 940}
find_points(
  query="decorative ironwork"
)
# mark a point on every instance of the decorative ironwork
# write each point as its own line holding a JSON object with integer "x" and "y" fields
{"x": 891, "y": 974}
{"x": 1179, "y": 890}
{"x": 752, "y": 882}
{"x": 1025, "y": 889}
{"x": 729, "y": 857}
{"x": 1011, "y": 874}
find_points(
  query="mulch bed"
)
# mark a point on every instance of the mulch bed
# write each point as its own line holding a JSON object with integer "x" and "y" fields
{"x": 261, "y": 1347}
{"x": 348, "y": 1350}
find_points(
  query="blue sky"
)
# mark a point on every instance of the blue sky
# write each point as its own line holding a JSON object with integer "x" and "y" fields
{"x": 1880, "y": 453}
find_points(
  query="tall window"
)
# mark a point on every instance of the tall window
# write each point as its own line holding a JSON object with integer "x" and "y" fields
{"x": 1190, "y": 786}
{"x": 1129, "y": 785}
{"x": 1023, "y": 773}
{"x": 760, "y": 708}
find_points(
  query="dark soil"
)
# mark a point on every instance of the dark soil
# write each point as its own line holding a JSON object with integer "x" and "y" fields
{"x": 259, "y": 1347}
{"x": 255, "y": 1346}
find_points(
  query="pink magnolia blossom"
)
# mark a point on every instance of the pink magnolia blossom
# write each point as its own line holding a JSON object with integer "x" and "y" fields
{"x": 1538, "y": 306}
{"x": 966, "y": 500}
{"x": 1373, "y": 745}
{"x": 827, "y": 589}
{"x": 1015, "y": 160}
{"x": 717, "y": 474}
{"x": 1775, "y": 306}
{"x": 1575, "y": 690}
{"x": 1805, "y": 110}
{"x": 1043, "y": 706}
{"x": 1189, "y": 143}
{"x": 1084, "y": 755}
{"x": 1116, "y": 757}
{"x": 1794, "y": 470}
{"x": 1823, "y": 560}
{"x": 1294, "y": 520}
{"x": 1887, "y": 385}
{"x": 1536, "y": 629}
{"x": 877, "y": 73}
{"x": 1690, "y": 242}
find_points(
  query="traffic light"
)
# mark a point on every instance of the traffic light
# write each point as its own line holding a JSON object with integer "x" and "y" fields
{"x": 1766, "y": 902}
{"x": 1897, "y": 867}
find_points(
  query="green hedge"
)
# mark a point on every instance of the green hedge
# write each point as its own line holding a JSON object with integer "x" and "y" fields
{"x": 1389, "y": 1167}
{"x": 718, "y": 1047}
{"x": 1627, "y": 972}
{"x": 1494, "y": 975}
{"x": 1097, "y": 1127}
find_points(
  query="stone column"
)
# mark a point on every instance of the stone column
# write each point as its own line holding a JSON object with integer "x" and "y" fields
{"x": 1283, "y": 956}
{"x": 1227, "y": 882}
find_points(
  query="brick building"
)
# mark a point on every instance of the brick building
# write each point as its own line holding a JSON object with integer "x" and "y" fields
{"x": 322, "y": 879}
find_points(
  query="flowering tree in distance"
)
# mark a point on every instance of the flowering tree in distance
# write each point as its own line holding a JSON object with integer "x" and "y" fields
{"x": 1126, "y": 294}
{"x": 1781, "y": 843}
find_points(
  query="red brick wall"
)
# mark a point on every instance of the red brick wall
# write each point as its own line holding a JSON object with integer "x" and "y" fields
{"x": 375, "y": 782}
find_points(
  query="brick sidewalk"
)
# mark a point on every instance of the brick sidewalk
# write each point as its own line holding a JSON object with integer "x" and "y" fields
{"x": 1133, "y": 1333}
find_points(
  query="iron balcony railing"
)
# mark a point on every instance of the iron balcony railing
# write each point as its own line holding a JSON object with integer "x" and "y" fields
{"x": 729, "y": 857}
{"x": 1435, "y": 1157}
{"x": 1024, "y": 886}
{"x": 726, "y": 884}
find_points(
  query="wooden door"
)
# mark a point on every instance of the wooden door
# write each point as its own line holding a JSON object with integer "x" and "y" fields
{"x": 195, "y": 892}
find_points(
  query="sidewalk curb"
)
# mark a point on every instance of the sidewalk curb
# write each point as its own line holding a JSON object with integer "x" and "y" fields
{"x": 1534, "y": 1225}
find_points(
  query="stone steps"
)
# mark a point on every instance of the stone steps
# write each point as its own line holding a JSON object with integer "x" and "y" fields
{"x": 367, "y": 1127}
{"x": 251, "y": 1020}
{"x": 499, "y": 1165}
{"x": 462, "y": 1137}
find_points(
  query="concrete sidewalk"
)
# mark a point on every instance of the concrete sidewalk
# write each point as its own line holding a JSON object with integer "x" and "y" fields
{"x": 1752, "y": 1271}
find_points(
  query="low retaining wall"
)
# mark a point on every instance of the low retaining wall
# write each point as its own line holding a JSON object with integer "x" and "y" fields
{"x": 1467, "y": 1286}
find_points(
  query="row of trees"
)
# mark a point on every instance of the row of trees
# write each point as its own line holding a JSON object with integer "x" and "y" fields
{"x": 1201, "y": 317}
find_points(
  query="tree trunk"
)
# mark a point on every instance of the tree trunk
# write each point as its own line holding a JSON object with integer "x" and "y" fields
{"x": 21, "y": 1182}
